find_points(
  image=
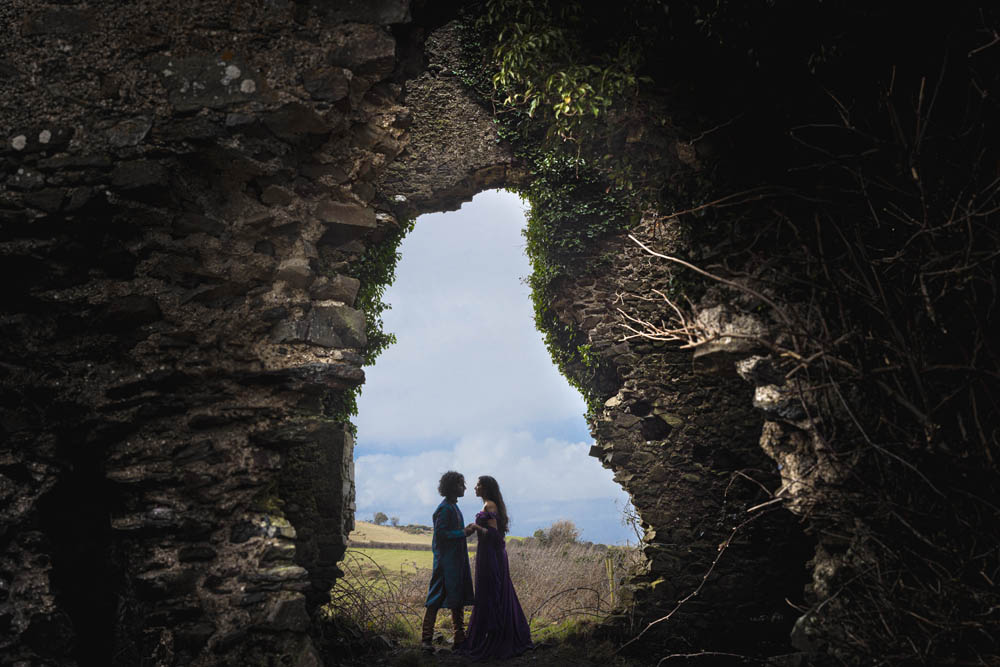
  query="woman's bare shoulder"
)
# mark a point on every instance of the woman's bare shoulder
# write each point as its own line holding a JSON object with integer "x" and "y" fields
{"x": 490, "y": 506}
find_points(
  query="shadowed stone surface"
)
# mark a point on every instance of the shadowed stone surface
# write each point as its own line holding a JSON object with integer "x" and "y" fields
{"x": 185, "y": 192}
{"x": 177, "y": 487}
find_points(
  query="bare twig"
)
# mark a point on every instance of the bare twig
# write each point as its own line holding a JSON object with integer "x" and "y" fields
{"x": 701, "y": 584}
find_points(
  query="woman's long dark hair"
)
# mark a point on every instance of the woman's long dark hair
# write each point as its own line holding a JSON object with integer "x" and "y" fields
{"x": 490, "y": 490}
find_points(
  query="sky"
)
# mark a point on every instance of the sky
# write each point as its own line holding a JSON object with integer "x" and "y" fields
{"x": 469, "y": 386}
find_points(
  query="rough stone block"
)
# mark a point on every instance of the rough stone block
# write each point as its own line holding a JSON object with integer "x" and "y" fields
{"x": 206, "y": 81}
{"x": 328, "y": 83}
{"x": 296, "y": 272}
{"x": 280, "y": 574}
{"x": 193, "y": 223}
{"x": 137, "y": 174}
{"x": 129, "y": 312}
{"x": 346, "y": 322}
{"x": 279, "y": 552}
{"x": 297, "y": 331}
{"x": 199, "y": 128}
{"x": 26, "y": 179}
{"x": 349, "y": 215}
{"x": 47, "y": 199}
{"x": 288, "y": 614}
{"x": 76, "y": 162}
{"x": 369, "y": 11}
{"x": 242, "y": 531}
{"x": 193, "y": 638}
{"x": 780, "y": 401}
{"x": 328, "y": 172}
{"x": 130, "y": 132}
{"x": 165, "y": 585}
{"x": 759, "y": 370}
{"x": 364, "y": 49}
{"x": 625, "y": 420}
{"x": 295, "y": 121}
{"x": 275, "y": 195}
{"x": 59, "y": 21}
{"x": 347, "y": 224}
{"x": 80, "y": 198}
{"x": 229, "y": 640}
{"x": 42, "y": 138}
{"x": 338, "y": 288}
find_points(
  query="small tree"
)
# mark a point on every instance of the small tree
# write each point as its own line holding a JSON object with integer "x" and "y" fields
{"x": 394, "y": 521}
{"x": 380, "y": 518}
{"x": 563, "y": 531}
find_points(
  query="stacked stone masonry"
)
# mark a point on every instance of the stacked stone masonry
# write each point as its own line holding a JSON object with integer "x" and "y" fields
{"x": 185, "y": 192}
{"x": 681, "y": 435}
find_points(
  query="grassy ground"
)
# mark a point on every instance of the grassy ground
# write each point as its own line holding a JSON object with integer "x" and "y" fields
{"x": 561, "y": 587}
{"x": 576, "y": 648}
{"x": 392, "y": 561}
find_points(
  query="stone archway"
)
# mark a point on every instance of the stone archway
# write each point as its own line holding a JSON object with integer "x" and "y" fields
{"x": 185, "y": 198}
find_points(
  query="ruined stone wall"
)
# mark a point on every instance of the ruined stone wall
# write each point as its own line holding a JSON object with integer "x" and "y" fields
{"x": 682, "y": 438}
{"x": 186, "y": 190}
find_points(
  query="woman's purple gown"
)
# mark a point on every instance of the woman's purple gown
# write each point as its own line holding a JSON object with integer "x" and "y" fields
{"x": 497, "y": 628}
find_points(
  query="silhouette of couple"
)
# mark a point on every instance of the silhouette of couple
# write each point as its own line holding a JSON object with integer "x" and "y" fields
{"x": 497, "y": 627}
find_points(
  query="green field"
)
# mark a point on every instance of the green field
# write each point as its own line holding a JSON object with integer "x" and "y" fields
{"x": 392, "y": 561}
{"x": 369, "y": 532}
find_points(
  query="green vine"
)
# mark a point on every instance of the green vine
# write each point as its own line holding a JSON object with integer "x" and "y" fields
{"x": 376, "y": 271}
{"x": 575, "y": 200}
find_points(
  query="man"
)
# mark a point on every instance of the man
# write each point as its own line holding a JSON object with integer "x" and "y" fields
{"x": 451, "y": 580}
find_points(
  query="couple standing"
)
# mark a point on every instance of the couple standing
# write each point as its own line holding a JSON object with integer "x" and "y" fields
{"x": 497, "y": 627}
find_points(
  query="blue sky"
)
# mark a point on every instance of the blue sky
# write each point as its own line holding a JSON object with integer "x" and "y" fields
{"x": 470, "y": 386}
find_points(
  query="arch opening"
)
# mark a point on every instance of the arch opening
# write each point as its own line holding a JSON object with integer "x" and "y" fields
{"x": 469, "y": 386}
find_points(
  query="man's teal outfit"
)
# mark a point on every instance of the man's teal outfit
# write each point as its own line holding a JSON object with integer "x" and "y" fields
{"x": 451, "y": 580}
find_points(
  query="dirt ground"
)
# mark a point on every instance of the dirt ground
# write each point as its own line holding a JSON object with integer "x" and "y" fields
{"x": 544, "y": 655}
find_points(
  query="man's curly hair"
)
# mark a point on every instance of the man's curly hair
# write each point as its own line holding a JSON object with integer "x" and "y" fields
{"x": 450, "y": 481}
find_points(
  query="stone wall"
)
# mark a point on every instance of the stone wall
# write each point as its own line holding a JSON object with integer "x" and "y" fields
{"x": 186, "y": 190}
{"x": 682, "y": 436}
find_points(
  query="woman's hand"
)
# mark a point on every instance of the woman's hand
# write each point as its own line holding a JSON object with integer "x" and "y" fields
{"x": 470, "y": 529}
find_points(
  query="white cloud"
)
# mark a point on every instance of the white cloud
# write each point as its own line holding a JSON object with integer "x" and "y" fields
{"x": 542, "y": 480}
{"x": 468, "y": 356}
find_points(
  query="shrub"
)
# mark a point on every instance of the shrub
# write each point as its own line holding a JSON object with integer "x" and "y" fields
{"x": 558, "y": 585}
{"x": 563, "y": 531}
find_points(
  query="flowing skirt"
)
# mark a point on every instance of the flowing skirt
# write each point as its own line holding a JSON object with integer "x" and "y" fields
{"x": 497, "y": 628}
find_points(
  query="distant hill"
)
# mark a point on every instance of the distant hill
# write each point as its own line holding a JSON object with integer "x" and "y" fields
{"x": 366, "y": 532}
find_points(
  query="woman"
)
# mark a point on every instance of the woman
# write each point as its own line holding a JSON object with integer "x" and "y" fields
{"x": 497, "y": 628}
